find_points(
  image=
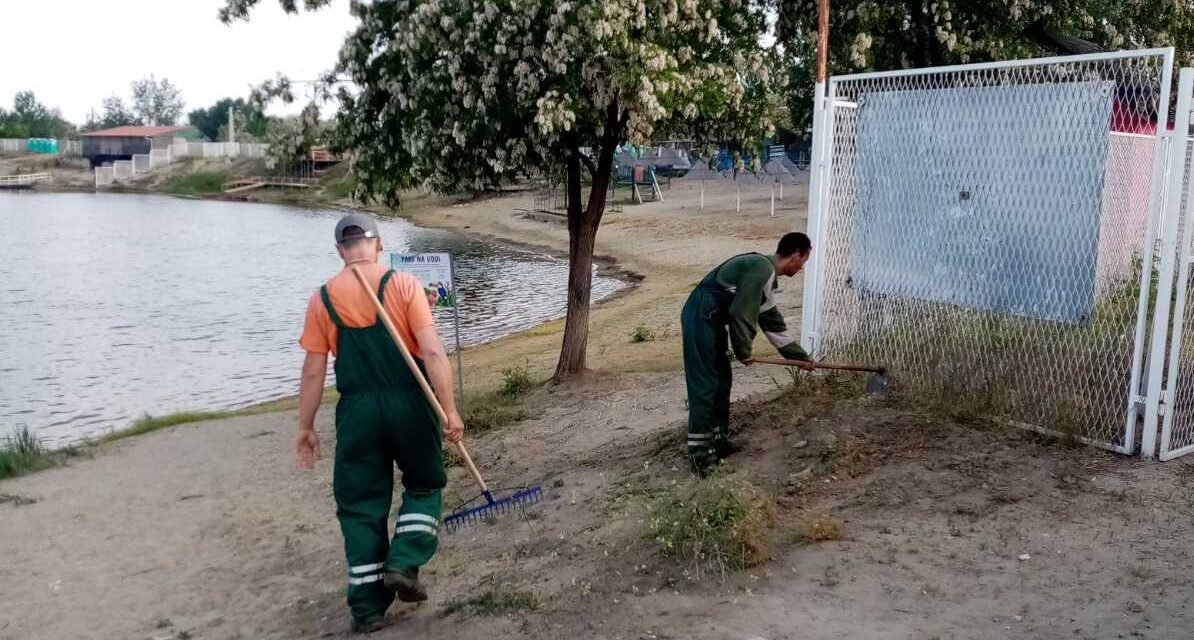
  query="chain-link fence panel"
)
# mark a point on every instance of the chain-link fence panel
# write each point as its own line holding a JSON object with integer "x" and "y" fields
{"x": 984, "y": 234}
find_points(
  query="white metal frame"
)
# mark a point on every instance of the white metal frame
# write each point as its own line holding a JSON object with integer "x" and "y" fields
{"x": 1164, "y": 372}
{"x": 1161, "y": 220}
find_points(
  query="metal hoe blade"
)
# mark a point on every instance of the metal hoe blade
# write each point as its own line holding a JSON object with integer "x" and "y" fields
{"x": 877, "y": 383}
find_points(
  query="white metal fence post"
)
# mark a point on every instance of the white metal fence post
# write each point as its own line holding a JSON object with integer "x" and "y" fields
{"x": 817, "y": 177}
{"x": 1175, "y": 165}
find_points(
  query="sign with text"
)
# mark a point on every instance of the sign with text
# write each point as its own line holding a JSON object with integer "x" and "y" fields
{"x": 434, "y": 272}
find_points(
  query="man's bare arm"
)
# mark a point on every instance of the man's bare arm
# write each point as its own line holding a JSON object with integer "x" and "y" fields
{"x": 315, "y": 370}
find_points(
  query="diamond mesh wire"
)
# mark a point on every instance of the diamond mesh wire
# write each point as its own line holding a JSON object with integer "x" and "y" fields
{"x": 983, "y": 235}
{"x": 1182, "y": 386}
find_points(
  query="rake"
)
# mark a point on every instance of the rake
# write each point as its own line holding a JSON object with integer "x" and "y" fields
{"x": 464, "y": 515}
{"x": 877, "y": 383}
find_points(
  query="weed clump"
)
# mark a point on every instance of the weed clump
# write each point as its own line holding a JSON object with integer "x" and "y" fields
{"x": 642, "y": 333}
{"x": 493, "y": 602}
{"x": 22, "y": 453}
{"x": 820, "y": 528}
{"x": 715, "y": 525}
{"x": 515, "y": 382}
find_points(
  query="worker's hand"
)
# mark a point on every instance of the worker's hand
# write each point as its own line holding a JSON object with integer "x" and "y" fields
{"x": 746, "y": 362}
{"x": 306, "y": 448}
{"x": 453, "y": 428}
{"x": 807, "y": 365}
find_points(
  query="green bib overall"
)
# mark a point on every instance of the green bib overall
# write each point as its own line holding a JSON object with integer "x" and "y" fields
{"x": 382, "y": 419}
{"x": 707, "y": 369}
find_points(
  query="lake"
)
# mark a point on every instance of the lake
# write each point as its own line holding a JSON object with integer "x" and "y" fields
{"x": 119, "y": 306}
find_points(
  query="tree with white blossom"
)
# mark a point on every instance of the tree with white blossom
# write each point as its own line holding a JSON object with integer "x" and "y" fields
{"x": 899, "y": 34}
{"x": 462, "y": 95}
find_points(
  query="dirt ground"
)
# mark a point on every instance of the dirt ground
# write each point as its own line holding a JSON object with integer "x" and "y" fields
{"x": 949, "y": 530}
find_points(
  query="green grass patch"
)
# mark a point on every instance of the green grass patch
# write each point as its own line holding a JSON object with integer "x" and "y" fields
{"x": 713, "y": 526}
{"x": 195, "y": 184}
{"x": 492, "y": 411}
{"x": 493, "y": 603}
{"x": 22, "y": 452}
{"x": 154, "y": 423}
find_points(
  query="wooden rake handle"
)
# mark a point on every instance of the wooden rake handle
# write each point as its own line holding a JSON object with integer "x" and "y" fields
{"x": 414, "y": 369}
{"x": 822, "y": 365}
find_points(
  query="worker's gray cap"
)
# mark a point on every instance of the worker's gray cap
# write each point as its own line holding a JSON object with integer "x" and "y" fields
{"x": 364, "y": 222}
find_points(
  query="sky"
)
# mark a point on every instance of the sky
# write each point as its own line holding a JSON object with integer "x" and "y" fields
{"x": 74, "y": 53}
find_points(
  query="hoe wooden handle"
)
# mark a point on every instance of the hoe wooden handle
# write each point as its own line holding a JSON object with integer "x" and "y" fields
{"x": 414, "y": 369}
{"x": 821, "y": 365}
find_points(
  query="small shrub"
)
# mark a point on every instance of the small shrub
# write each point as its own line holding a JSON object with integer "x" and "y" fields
{"x": 515, "y": 381}
{"x": 642, "y": 333}
{"x": 820, "y": 528}
{"x": 493, "y": 603}
{"x": 713, "y": 525}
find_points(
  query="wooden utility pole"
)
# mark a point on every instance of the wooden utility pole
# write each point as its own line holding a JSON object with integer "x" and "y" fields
{"x": 822, "y": 38}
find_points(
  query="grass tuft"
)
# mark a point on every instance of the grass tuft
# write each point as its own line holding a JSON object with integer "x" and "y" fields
{"x": 153, "y": 423}
{"x": 22, "y": 452}
{"x": 493, "y": 603}
{"x": 715, "y": 525}
{"x": 820, "y": 528}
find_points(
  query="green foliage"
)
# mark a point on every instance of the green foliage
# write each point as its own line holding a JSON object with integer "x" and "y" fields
{"x": 515, "y": 381}
{"x": 156, "y": 102}
{"x": 494, "y": 412}
{"x": 22, "y": 453}
{"x": 115, "y": 114}
{"x": 291, "y": 138}
{"x": 715, "y": 525}
{"x": 898, "y": 34}
{"x": 493, "y": 602}
{"x": 251, "y": 122}
{"x": 30, "y": 118}
{"x": 195, "y": 184}
{"x": 642, "y": 333}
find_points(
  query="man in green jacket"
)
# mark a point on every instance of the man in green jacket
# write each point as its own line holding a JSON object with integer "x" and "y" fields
{"x": 739, "y": 295}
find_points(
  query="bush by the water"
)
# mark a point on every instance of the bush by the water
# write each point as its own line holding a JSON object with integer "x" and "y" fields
{"x": 714, "y": 525}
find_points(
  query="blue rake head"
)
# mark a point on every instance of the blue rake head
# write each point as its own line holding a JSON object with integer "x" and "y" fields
{"x": 492, "y": 507}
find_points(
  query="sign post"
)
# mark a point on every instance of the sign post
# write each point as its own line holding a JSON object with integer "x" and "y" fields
{"x": 437, "y": 273}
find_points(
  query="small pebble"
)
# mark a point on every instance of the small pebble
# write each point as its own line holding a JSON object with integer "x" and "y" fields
{"x": 1025, "y": 557}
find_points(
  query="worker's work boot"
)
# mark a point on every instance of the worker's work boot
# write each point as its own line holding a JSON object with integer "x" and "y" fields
{"x": 405, "y": 584}
{"x": 376, "y": 623}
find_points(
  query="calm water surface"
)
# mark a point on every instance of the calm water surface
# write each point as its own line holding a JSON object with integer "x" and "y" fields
{"x": 116, "y": 306}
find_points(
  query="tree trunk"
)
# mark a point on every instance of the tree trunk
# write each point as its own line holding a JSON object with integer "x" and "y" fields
{"x": 583, "y": 222}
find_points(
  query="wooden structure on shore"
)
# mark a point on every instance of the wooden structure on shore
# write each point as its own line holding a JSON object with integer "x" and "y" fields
{"x": 122, "y": 143}
{"x": 22, "y": 181}
{"x": 248, "y": 183}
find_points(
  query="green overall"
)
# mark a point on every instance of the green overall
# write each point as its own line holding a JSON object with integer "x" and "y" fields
{"x": 382, "y": 418}
{"x": 737, "y": 295}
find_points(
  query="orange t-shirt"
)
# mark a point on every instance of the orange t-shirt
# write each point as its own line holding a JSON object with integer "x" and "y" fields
{"x": 403, "y": 298}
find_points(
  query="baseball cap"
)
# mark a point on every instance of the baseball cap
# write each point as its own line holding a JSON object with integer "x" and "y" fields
{"x": 364, "y": 222}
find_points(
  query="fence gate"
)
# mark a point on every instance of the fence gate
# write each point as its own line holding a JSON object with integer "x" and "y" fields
{"x": 986, "y": 231}
{"x": 1174, "y": 387}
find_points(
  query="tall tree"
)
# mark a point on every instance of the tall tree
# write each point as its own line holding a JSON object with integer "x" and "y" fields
{"x": 156, "y": 102}
{"x": 114, "y": 114}
{"x": 898, "y": 34}
{"x": 251, "y": 121}
{"x": 30, "y": 118}
{"x": 476, "y": 94}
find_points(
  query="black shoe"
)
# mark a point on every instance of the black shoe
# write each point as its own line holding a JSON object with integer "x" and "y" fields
{"x": 405, "y": 584}
{"x": 726, "y": 448}
{"x": 369, "y": 625}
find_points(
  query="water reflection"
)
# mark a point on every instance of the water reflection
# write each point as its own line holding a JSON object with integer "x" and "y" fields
{"x": 119, "y": 305}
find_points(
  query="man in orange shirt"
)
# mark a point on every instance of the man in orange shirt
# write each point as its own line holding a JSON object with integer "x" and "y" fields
{"x": 382, "y": 419}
